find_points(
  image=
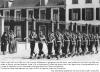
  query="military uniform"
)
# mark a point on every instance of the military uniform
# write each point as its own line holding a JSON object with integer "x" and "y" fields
{"x": 50, "y": 39}
{"x": 33, "y": 37}
{"x": 66, "y": 45}
{"x": 78, "y": 45}
{"x": 40, "y": 44}
{"x": 83, "y": 45}
{"x": 91, "y": 43}
{"x": 73, "y": 46}
{"x": 70, "y": 46}
{"x": 96, "y": 43}
{"x": 58, "y": 43}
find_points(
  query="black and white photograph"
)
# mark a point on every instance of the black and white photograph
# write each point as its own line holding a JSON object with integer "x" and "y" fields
{"x": 50, "y": 31}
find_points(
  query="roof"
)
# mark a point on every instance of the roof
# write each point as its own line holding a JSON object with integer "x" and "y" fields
{"x": 1, "y": 3}
{"x": 25, "y": 3}
{"x": 56, "y": 2}
{"x": 30, "y": 3}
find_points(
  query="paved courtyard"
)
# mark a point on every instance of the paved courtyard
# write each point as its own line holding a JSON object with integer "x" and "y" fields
{"x": 23, "y": 53}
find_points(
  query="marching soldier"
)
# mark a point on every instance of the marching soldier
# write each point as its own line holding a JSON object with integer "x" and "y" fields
{"x": 96, "y": 43}
{"x": 78, "y": 44}
{"x": 58, "y": 44}
{"x": 33, "y": 37}
{"x": 66, "y": 44}
{"x": 70, "y": 46}
{"x": 42, "y": 40}
{"x": 51, "y": 39}
{"x": 83, "y": 45}
{"x": 86, "y": 50}
{"x": 89, "y": 46}
{"x": 73, "y": 45}
{"x": 91, "y": 43}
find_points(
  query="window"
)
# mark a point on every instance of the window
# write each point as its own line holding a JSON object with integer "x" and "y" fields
{"x": 88, "y": 1}
{"x": 74, "y": 14}
{"x": 55, "y": 14}
{"x": 62, "y": 14}
{"x": 7, "y": 13}
{"x": 97, "y": 13}
{"x": 74, "y": 1}
{"x": 42, "y": 14}
{"x": 12, "y": 13}
{"x": 23, "y": 12}
{"x": 18, "y": 14}
{"x": 87, "y": 14}
{"x": 36, "y": 13}
{"x": 1, "y": 12}
{"x": 30, "y": 14}
{"x": 48, "y": 13}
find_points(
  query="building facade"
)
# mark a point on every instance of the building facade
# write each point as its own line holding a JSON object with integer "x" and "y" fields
{"x": 83, "y": 15}
{"x": 23, "y": 16}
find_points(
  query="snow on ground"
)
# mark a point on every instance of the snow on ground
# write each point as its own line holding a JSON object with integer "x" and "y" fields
{"x": 23, "y": 53}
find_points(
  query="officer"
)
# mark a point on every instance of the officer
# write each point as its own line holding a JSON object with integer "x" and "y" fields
{"x": 33, "y": 37}
{"x": 96, "y": 43}
{"x": 50, "y": 40}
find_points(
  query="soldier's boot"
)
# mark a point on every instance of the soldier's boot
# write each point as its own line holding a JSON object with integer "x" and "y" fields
{"x": 35, "y": 55}
{"x": 78, "y": 52}
{"x": 52, "y": 55}
{"x": 73, "y": 52}
{"x": 58, "y": 57}
{"x": 31, "y": 57}
{"x": 39, "y": 56}
{"x": 48, "y": 57}
{"x": 96, "y": 50}
{"x": 85, "y": 51}
{"x": 66, "y": 56}
{"x": 68, "y": 53}
{"x": 4, "y": 52}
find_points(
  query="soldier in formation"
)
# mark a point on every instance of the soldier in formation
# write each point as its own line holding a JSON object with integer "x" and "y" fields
{"x": 50, "y": 39}
{"x": 32, "y": 37}
{"x": 67, "y": 44}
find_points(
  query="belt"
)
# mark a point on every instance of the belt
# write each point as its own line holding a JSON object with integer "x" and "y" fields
{"x": 91, "y": 40}
{"x": 50, "y": 42}
{"x": 58, "y": 41}
{"x": 66, "y": 40}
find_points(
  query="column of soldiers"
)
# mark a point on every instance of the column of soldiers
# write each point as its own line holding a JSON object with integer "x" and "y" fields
{"x": 67, "y": 44}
